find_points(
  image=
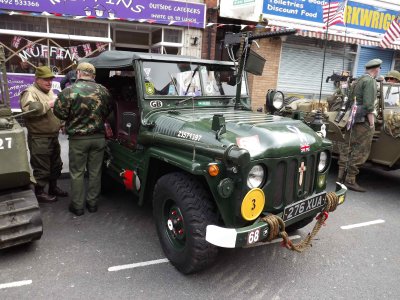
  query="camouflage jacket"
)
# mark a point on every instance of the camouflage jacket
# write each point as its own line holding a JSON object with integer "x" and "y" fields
{"x": 84, "y": 106}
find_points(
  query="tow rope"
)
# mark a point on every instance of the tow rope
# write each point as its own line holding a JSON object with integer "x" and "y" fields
{"x": 277, "y": 226}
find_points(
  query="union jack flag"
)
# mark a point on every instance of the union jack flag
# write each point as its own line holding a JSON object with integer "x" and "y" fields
{"x": 304, "y": 148}
{"x": 74, "y": 52}
{"x": 87, "y": 49}
{"x": 30, "y": 47}
{"x": 391, "y": 34}
{"x": 334, "y": 13}
{"x": 352, "y": 116}
{"x": 16, "y": 41}
{"x": 101, "y": 47}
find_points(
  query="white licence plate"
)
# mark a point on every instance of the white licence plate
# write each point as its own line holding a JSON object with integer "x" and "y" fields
{"x": 303, "y": 206}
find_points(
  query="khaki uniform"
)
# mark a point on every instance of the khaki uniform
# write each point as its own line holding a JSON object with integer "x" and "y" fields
{"x": 43, "y": 141}
{"x": 355, "y": 150}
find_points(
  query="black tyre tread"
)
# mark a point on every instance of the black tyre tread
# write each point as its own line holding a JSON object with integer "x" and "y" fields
{"x": 197, "y": 207}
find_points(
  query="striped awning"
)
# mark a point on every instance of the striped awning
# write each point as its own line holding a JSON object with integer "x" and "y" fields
{"x": 339, "y": 37}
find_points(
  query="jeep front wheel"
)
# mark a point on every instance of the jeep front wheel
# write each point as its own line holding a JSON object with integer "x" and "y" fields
{"x": 182, "y": 210}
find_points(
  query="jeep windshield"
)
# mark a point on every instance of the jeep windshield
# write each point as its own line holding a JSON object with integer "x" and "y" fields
{"x": 183, "y": 79}
{"x": 391, "y": 95}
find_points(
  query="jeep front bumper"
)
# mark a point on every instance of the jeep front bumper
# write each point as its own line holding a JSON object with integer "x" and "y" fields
{"x": 259, "y": 230}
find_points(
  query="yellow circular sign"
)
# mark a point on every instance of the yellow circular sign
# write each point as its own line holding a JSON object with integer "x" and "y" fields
{"x": 253, "y": 204}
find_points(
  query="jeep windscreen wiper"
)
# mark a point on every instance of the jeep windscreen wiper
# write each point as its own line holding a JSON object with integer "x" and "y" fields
{"x": 191, "y": 79}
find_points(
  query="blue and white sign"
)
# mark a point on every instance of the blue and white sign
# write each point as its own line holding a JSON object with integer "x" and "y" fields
{"x": 357, "y": 15}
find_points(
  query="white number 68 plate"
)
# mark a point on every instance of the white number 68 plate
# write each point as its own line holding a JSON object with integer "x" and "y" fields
{"x": 253, "y": 236}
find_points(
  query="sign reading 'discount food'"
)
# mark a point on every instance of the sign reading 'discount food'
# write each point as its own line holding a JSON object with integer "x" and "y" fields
{"x": 358, "y": 16}
{"x": 157, "y": 11}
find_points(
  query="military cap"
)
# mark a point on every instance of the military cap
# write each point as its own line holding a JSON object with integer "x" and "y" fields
{"x": 44, "y": 72}
{"x": 86, "y": 67}
{"x": 395, "y": 74}
{"x": 373, "y": 63}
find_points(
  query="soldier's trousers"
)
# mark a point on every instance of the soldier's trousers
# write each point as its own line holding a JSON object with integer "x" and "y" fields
{"x": 355, "y": 150}
{"x": 85, "y": 152}
{"x": 45, "y": 158}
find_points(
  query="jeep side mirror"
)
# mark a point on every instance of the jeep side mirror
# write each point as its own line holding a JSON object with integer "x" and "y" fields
{"x": 129, "y": 121}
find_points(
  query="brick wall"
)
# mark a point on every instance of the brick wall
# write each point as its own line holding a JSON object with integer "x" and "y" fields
{"x": 270, "y": 49}
{"x": 209, "y": 35}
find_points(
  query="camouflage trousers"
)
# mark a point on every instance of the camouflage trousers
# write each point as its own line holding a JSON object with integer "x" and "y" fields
{"x": 355, "y": 150}
{"x": 45, "y": 158}
{"x": 85, "y": 153}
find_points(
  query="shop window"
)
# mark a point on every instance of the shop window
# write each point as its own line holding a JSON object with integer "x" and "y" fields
{"x": 132, "y": 37}
{"x": 23, "y": 23}
{"x": 172, "y": 35}
{"x": 78, "y": 28}
{"x": 156, "y": 36}
{"x": 23, "y": 54}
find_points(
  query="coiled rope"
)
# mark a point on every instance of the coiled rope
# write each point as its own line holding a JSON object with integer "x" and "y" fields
{"x": 277, "y": 226}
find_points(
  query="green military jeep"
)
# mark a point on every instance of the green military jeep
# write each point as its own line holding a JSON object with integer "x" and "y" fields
{"x": 385, "y": 148}
{"x": 184, "y": 137}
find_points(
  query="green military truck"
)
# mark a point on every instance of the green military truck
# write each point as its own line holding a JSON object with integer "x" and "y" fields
{"x": 185, "y": 139}
{"x": 20, "y": 220}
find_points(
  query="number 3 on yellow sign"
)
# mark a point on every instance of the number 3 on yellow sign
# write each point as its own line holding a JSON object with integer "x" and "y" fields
{"x": 253, "y": 204}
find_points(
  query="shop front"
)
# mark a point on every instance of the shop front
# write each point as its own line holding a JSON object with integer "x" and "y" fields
{"x": 59, "y": 33}
{"x": 303, "y": 62}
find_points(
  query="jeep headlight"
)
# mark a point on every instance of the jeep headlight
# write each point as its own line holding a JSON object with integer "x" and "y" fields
{"x": 323, "y": 161}
{"x": 256, "y": 176}
{"x": 274, "y": 100}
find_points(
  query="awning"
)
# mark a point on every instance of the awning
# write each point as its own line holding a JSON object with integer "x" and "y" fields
{"x": 343, "y": 39}
{"x": 333, "y": 35}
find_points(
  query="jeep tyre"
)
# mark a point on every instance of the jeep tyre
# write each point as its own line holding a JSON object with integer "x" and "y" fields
{"x": 182, "y": 210}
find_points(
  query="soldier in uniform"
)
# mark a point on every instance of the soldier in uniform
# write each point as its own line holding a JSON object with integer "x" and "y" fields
{"x": 357, "y": 146}
{"x": 84, "y": 106}
{"x": 43, "y": 128}
{"x": 393, "y": 77}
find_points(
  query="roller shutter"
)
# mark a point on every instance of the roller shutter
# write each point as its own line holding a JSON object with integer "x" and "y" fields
{"x": 301, "y": 66}
{"x": 368, "y": 53}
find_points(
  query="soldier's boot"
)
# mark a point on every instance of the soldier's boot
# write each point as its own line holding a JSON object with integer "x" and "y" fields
{"x": 351, "y": 184}
{"x": 54, "y": 190}
{"x": 340, "y": 175}
{"x": 42, "y": 196}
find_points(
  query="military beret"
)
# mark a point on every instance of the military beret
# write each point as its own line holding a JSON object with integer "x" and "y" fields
{"x": 44, "y": 72}
{"x": 86, "y": 67}
{"x": 395, "y": 74}
{"x": 373, "y": 63}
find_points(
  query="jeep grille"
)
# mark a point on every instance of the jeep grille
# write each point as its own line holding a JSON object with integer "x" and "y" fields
{"x": 285, "y": 180}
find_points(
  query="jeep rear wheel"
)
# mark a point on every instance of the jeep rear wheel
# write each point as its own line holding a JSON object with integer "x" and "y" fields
{"x": 182, "y": 210}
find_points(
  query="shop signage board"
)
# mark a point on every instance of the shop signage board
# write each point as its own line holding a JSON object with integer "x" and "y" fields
{"x": 19, "y": 82}
{"x": 358, "y": 16}
{"x": 155, "y": 11}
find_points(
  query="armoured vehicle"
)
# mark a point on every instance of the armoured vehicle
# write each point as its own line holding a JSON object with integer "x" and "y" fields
{"x": 20, "y": 220}
{"x": 385, "y": 148}
{"x": 185, "y": 139}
